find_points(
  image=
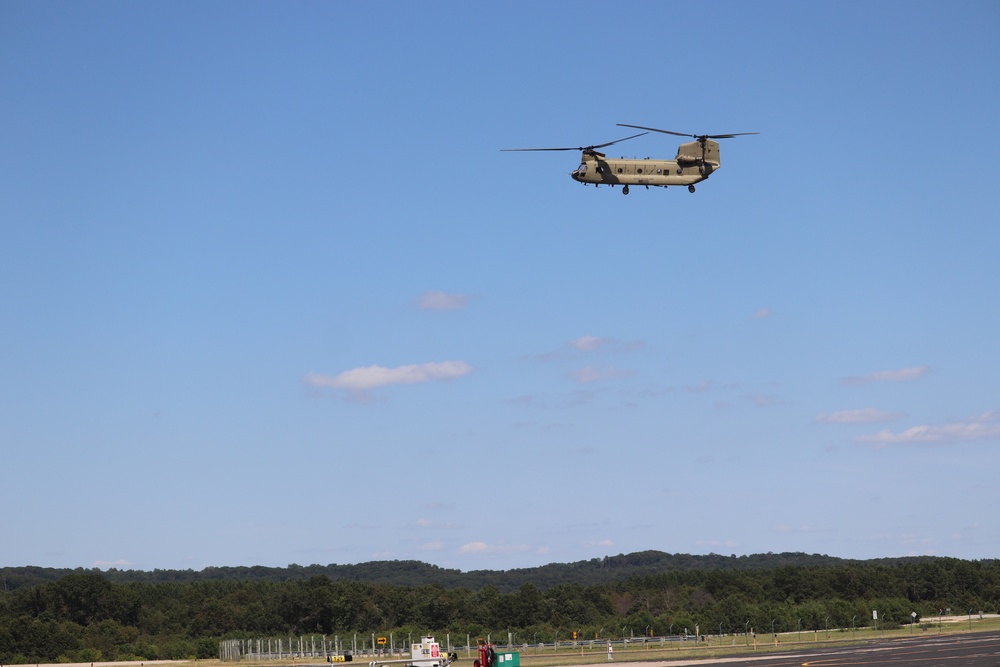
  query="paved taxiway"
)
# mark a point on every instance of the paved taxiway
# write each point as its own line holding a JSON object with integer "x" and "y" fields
{"x": 966, "y": 650}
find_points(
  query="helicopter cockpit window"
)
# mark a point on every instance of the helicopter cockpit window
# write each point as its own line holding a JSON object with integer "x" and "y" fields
{"x": 582, "y": 169}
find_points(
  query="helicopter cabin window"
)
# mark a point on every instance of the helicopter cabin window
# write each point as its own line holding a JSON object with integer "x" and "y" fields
{"x": 619, "y": 170}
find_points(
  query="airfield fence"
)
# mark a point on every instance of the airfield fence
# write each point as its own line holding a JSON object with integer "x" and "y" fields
{"x": 322, "y": 648}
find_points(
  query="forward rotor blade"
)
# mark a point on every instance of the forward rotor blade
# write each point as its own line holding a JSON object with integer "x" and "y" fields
{"x": 576, "y": 148}
{"x": 543, "y": 149}
{"x": 618, "y": 140}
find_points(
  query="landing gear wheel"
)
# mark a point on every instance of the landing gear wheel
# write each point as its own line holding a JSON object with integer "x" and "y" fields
{"x": 690, "y": 188}
{"x": 625, "y": 190}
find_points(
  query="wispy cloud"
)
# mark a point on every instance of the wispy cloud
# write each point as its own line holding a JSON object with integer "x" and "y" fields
{"x": 428, "y": 523}
{"x": 589, "y": 374}
{"x": 764, "y": 400}
{"x": 901, "y": 375}
{"x": 983, "y": 427}
{"x": 106, "y": 564}
{"x": 437, "y": 300}
{"x": 761, "y": 313}
{"x": 716, "y": 543}
{"x": 785, "y": 528}
{"x": 486, "y": 548}
{"x": 591, "y": 344}
{"x": 372, "y": 377}
{"x": 862, "y": 416}
{"x": 559, "y": 402}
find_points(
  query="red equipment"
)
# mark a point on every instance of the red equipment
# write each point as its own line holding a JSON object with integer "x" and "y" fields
{"x": 487, "y": 656}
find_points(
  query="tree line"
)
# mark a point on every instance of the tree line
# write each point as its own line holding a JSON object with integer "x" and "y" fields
{"x": 416, "y": 573}
{"x": 85, "y": 616}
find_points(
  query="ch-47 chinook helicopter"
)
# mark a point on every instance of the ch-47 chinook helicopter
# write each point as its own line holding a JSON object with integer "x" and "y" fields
{"x": 695, "y": 161}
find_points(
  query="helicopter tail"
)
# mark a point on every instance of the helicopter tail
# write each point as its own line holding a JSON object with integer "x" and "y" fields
{"x": 702, "y": 152}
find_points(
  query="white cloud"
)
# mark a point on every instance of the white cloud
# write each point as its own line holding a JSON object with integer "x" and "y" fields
{"x": 901, "y": 375}
{"x": 602, "y": 543}
{"x": 437, "y": 300}
{"x": 862, "y": 416}
{"x": 107, "y": 564}
{"x": 372, "y": 377}
{"x": 588, "y": 343}
{"x": 983, "y": 427}
{"x": 432, "y": 546}
{"x": 474, "y": 548}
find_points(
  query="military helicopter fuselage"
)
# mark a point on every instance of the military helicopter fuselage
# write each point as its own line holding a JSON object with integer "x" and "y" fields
{"x": 688, "y": 168}
{"x": 695, "y": 161}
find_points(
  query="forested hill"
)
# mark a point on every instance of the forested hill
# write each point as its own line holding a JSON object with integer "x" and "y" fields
{"x": 415, "y": 573}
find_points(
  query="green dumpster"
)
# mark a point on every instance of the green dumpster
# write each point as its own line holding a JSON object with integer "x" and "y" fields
{"x": 508, "y": 659}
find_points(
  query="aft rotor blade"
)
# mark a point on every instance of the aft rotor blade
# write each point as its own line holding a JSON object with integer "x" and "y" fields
{"x": 693, "y": 136}
{"x": 653, "y": 129}
{"x": 727, "y": 136}
{"x": 576, "y": 148}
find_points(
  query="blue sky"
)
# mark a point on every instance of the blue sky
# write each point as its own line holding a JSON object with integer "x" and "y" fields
{"x": 273, "y": 294}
